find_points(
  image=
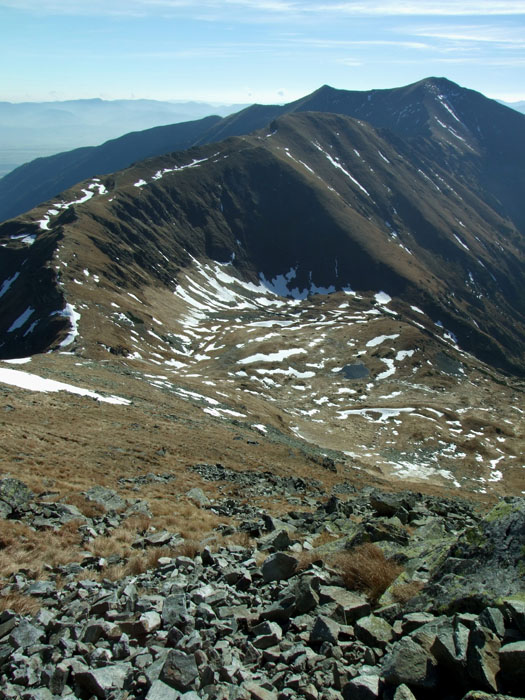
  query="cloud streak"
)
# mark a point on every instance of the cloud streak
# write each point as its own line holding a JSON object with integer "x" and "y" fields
{"x": 271, "y": 8}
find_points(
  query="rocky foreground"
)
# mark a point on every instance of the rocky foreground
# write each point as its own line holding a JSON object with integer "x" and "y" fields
{"x": 360, "y": 595}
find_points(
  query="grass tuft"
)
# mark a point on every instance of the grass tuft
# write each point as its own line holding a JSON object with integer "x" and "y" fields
{"x": 365, "y": 568}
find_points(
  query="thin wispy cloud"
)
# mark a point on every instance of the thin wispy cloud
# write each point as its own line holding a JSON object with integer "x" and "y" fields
{"x": 418, "y": 8}
{"x": 262, "y": 8}
{"x": 489, "y": 34}
{"x": 349, "y": 43}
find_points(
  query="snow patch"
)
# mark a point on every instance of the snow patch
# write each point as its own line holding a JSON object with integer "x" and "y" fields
{"x": 33, "y": 382}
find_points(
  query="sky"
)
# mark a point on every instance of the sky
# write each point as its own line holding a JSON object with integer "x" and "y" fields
{"x": 244, "y": 51}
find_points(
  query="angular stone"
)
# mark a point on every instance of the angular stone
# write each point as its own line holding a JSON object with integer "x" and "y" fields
{"x": 7, "y": 623}
{"x": 257, "y": 692}
{"x": 512, "y": 661}
{"x": 409, "y": 663}
{"x": 306, "y": 597}
{"x": 450, "y": 650}
{"x": 515, "y": 610}
{"x": 483, "y": 657}
{"x": 14, "y": 492}
{"x": 37, "y": 694}
{"x": 493, "y": 619}
{"x": 136, "y": 629}
{"x": 373, "y": 631}
{"x": 41, "y": 588}
{"x": 158, "y": 539}
{"x": 102, "y": 681}
{"x": 267, "y": 634}
{"x": 198, "y": 497}
{"x": 412, "y": 621}
{"x": 179, "y": 670}
{"x": 350, "y": 606}
{"x": 25, "y": 635}
{"x": 107, "y": 498}
{"x": 403, "y": 692}
{"x": 173, "y": 608}
{"x": 278, "y": 566}
{"x": 161, "y": 691}
{"x": 365, "y": 687}
{"x": 276, "y": 541}
{"x": 324, "y": 630}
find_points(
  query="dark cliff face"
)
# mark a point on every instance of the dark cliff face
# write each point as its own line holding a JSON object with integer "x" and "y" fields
{"x": 321, "y": 200}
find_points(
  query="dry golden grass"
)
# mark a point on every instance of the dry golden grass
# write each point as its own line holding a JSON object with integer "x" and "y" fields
{"x": 325, "y": 538}
{"x": 23, "y": 548}
{"x": 88, "y": 508}
{"x": 305, "y": 559}
{"x": 19, "y": 603}
{"x": 365, "y": 568}
{"x": 403, "y": 592}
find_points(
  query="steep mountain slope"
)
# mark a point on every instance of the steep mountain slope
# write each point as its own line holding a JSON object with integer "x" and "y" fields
{"x": 477, "y": 139}
{"x": 37, "y": 181}
{"x": 380, "y": 214}
{"x": 319, "y": 290}
{"x": 473, "y": 136}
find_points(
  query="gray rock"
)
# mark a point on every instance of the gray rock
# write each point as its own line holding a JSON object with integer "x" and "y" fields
{"x": 257, "y": 692}
{"x": 103, "y": 681}
{"x": 41, "y": 588}
{"x": 25, "y": 635}
{"x": 373, "y": 631}
{"x": 5, "y": 510}
{"x": 494, "y": 546}
{"x": 15, "y": 493}
{"x": 161, "y": 691}
{"x": 349, "y": 606}
{"x": 451, "y": 645}
{"x": 408, "y": 662}
{"x": 324, "y": 630}
{"x": 173, "y": 609}
{"x": 512, "y": 661}
{"x": 515, "y": 611}
{"x": 365, "y": 687}
{"x": 412, "y": 621}
{"x": 158, "y": 539}
{"x": 179, "y": 670}
{"x": 198, "y": 497}
{"x": 275, "y": 541}
{"x": 107, "y": 498}
{"x": 403, "y": 692}
{"x": 278, "y": 566}
{"x": 37, "y": 694}
{"x": 483, "y": 657}
{"x": 493, "y": 619}
{"x": 267, "y": 634}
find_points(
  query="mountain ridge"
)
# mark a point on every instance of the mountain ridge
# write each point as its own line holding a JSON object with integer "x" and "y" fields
{"x": 395, "y": 214}
{"x": 457, "y": 148}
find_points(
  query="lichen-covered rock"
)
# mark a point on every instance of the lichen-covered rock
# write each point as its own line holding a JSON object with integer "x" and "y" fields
{"x": 484, "y": 564}
{"x": 13, "y": 494}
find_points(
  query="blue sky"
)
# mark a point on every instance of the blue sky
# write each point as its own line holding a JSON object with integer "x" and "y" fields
{"x": 255, "y": 51}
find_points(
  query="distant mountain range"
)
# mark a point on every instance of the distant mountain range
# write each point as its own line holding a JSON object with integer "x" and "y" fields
{"x": 518, "y": 106}
{"x": 30, "y": 130}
